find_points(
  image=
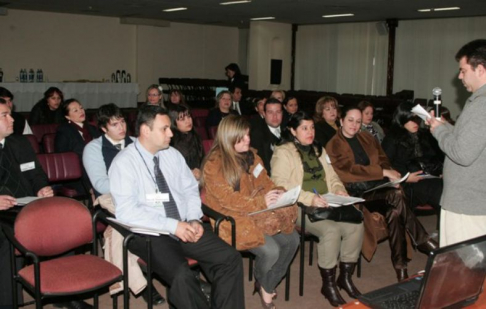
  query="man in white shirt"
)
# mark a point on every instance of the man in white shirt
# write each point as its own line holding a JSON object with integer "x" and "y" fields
{"x": 265, "y": 135}
{"x": 152, "y": 186}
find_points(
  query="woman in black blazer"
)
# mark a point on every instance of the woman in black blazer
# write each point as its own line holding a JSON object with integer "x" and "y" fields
{"x": 74, "y": 135}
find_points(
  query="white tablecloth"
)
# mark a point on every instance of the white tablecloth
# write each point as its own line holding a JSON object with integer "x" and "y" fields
{"x": 91, "y": 95}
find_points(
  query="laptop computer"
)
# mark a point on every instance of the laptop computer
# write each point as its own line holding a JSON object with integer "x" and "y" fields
{"x": 454, "y": 277}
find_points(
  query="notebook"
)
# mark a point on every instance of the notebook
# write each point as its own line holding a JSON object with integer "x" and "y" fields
{"x": 454, "y": 277}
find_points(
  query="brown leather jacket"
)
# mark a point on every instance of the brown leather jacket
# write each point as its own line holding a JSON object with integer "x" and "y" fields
{"x": 221, "y": 197}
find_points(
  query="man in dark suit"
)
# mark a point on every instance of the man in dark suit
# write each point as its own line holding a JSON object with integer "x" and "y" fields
{"x": 265, "y": 133}
{"x": 20, "y": 175}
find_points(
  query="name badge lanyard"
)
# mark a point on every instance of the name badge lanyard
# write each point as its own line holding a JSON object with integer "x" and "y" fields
{"x": 148, "y": 170}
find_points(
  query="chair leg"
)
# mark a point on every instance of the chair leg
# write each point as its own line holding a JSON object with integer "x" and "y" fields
{"x": 358, "y": 272}
{"x": 311, "y": 251}
{"x": 301, "y": 272}
{"x": 95, "y": 301}
{"x": 250, "y": 267}
{"x": 115, "y": 301}
{"x": 287, "y": 285}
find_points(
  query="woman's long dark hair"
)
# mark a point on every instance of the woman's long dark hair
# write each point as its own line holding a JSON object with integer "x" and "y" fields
{"x": 294, "y": 122}
{"x": 401, "y": 116}
{"x": 189, "y": 144}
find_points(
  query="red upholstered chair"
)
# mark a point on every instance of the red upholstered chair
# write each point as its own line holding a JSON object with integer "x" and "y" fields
{"x": 199, "y": 121}
{"x": 207, "y": 144}
{"x": 48, "y": 228}
{"x": 40, "y": 130}
{"x": 203, "y": 134}
{"x": 199, "y": 112}
{"x": 48, "y": 142}
{"x": 33, "y": 141}
{"x": 62, "y": 167}
{"x": 212, "y": 131}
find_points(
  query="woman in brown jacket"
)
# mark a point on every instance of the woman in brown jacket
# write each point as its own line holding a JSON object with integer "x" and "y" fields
{"x": 361, "y": 163}
{"x": 301, "y": 161}
{"x": 237, "y": 184}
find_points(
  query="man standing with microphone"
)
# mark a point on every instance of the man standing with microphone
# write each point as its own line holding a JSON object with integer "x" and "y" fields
{"x": 463, "y": 199}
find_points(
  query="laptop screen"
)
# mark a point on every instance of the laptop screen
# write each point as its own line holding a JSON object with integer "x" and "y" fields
{"x": 455, "y": 275}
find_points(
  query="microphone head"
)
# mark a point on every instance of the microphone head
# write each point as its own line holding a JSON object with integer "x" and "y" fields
{"x": 436, "y": 91}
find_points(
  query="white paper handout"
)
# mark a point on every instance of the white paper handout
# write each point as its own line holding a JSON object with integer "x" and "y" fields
{"x": 389, "y": 184}
{"x": 334, "y": 200}
{"x": 22, "y": 201}
{"x": 139, "y": 229}
{"x": 421, "y": 112}
{"x": 286, "y": 199}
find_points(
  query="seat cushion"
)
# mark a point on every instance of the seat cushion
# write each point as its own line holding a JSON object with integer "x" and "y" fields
{"x": 72, "y": 274}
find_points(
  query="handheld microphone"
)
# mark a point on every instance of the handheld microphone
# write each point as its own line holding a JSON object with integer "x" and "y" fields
{"x": 437, "y": 92}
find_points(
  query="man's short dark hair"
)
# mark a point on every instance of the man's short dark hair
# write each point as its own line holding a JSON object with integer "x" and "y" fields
{"x": 2, "y": 101}
{"x": 475, "y": 53}
{"x": 146, "y": 115}
{"x": 272, "y": 101}
{"x": 5, "y": 93}
{"x": 232, "y": 88}
{"x": 106, "y": 112}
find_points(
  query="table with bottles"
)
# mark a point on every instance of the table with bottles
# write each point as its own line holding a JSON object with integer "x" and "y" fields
{"x": 91, "y": 95}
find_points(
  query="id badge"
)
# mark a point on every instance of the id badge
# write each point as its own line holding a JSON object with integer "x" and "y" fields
{"x": 157, "y": 199}
{"x": 257, "y": 170}
{"x": 27, "y": 166}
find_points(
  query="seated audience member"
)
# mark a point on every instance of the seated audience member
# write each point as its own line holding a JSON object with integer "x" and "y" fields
{"x": 278, "y": 94}
{"x": 446, "y": 114}
{"x": 152, "y": 186}
{"x": 264, "y": 136}
{"x": 258, "y": 105}
{"x": 368, "y": 124}
{"x": 361, "y": 163}
{"x": 74, "y": 135}
{"x": 175, "y": 98}
{"x": 15, "y": 182}
{"x": 291, "y": 106}
{"x": 236, "y": 184}
{"x": 186, "y": 139}
{"x": 47, "y": 110}
{"x": 415, "y": 150}
{"x": 221, "y": 110}
{"x": 236, "y": 95}
{"x": 301, "y": 160}
{"x": 326, "y": 119}
{"x": 21, "y": 127}
{"x": 100, "y": 152}
{"x": 155, "y": 95}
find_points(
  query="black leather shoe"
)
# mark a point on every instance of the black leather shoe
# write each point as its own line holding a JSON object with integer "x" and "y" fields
{"x": 74, "y": 304}
{"x": 402, "y": 274}
{"x": 157, "y": 299}
{"x": 428, "y": 246}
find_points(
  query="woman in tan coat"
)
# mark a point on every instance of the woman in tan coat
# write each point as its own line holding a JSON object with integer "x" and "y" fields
{"x": 301, "y": 161}
{"x": 237, "y": 184}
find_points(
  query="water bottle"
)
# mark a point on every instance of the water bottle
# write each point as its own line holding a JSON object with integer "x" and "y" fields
{"x": 129, "y": 78}
{"x": 31, "y": 75}
{"x": 21, "y": 75}
{"x": 1, "y": 75}
{"x": 118, "y": 76}
{"x": 123, "y": 77}
{"x": 41, "y": 75}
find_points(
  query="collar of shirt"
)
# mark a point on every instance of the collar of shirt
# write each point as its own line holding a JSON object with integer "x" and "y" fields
{"x": 275, "y": 131}
{"x": 122, "y": 142}
{"x": 3, "y": 143}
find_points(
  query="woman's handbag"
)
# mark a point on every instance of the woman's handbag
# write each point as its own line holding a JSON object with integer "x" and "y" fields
{"x": 359, "y": 188}
{"x": 347, "y": 214}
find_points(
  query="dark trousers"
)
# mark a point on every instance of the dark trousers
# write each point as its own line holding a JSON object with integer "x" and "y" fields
{"x": 427, "y": 191}
{"x": 400, "y": 219}
{"x": 220, "y": 263}
{"x": 6, "y": 294}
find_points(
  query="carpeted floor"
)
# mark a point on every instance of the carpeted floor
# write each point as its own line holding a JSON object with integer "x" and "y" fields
{"x": 378, "y": 273}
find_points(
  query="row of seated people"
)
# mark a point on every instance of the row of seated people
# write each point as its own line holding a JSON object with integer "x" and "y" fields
{"x": 185, "y": 117}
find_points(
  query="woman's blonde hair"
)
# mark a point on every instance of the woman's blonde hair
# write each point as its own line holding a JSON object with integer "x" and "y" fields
{"x": 231, "y": 130}
{"x": 221, "y": 94}
{"x": 321, "y": 104}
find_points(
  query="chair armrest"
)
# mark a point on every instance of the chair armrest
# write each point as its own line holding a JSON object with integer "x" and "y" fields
{"x": 218, "y": 219}
{"x": 8, "y": 231}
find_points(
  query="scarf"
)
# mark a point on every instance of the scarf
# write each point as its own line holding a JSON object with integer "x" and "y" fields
{"x": 84, "y": 132}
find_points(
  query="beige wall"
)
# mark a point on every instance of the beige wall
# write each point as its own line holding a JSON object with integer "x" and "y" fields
{"x": 268, "y": 40}
{"x": 74, "y": 47}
